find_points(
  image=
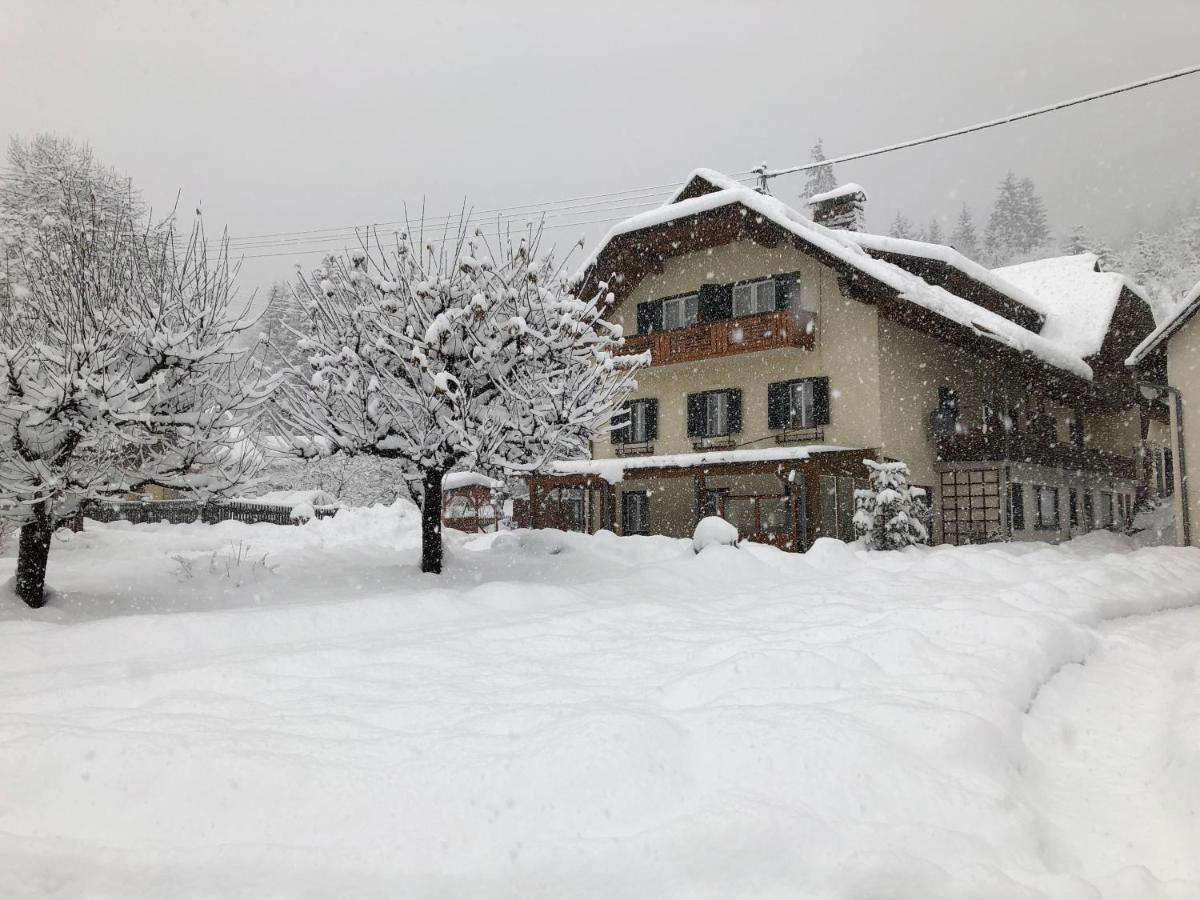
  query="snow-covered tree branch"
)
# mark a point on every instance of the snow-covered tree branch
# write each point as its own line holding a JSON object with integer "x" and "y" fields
{"x": 453, "y": 352}
{"x": 117, "y": 367}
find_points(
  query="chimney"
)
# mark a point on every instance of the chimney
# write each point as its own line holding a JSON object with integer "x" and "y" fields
{"x": 840, "y": 208}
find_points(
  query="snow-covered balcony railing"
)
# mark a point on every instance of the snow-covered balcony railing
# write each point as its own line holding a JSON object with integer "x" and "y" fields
{"x": 762, "y": 331}
{"x": 997, "y": 445}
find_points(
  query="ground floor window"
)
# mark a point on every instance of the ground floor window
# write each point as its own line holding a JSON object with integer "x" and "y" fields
{"x": 1047, "y": 508}
{"x": 635, "y": 512}
{"x": 1073, "y": 507}
{"x": 837, "y": 506}
{"x": 1107, "y": 511}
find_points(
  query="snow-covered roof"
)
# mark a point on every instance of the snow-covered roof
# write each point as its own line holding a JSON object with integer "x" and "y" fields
{"x": 1172, "y": 323}
{"x": 949, "y": 256}
{"x": 1077, "y": 301}
{"x": 452, "y": 480}
{"x": 842, "y": 246}
{"x": 718, "y": 180}
{"x": 843, "y": 190}
{"x": 613, "y": 470}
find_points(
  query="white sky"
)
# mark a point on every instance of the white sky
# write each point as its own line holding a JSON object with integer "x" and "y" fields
{"x": 283, "y": 116}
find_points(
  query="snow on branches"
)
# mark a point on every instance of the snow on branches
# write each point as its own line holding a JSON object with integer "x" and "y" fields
{"x": 117, "y": 367}
{"x": 888, "y": 514}
{"x": 453, "y": 352}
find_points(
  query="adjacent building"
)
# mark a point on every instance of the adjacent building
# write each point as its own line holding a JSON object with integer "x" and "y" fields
{"x": 786, "y": 347}
{"x": 1167, "y": 365}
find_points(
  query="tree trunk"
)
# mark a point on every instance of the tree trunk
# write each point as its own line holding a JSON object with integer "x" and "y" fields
{"x": 431, "y": 523}
{"x": 33, "y": 551}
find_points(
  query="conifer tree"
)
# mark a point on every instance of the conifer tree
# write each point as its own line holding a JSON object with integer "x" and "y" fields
{"x": 888, "y": 514}
{"x": 964, "y": 238}
{"x": 933, "y": 234}
{"x": 903, "y": 228}
{"x": 820, "y": 179}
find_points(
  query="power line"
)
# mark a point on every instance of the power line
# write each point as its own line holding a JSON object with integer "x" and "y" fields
{"x": 524, "y": 209}
{"x": 764, "y": 174}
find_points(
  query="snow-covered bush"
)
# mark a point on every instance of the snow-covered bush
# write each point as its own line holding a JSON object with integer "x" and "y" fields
{"x": 117, "y": 368}
{"x": 714, "y": 531}
{"x": 887, "y": 515}
{"x": 456, "y": 352}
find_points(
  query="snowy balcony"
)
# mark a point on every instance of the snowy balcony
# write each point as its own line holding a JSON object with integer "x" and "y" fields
{"x": 763, "y": 331}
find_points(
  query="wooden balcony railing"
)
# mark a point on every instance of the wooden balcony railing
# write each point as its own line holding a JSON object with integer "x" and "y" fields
{"x": 764, "y": 331}
{"x": 997, "y": 445}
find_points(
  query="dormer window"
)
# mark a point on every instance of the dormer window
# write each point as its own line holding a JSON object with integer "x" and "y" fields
{"x": 680, "y": 312}
{"x": 753, "y": 297}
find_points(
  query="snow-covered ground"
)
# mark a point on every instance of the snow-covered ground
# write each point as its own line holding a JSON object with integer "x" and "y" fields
{"x": 266, "y": 711}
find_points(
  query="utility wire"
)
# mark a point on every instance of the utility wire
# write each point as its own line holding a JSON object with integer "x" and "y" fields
{"x": 764, "y": 173}
{"x": 633, "y": 198}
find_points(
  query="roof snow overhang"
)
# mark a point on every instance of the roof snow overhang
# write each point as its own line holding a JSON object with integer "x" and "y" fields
{"x": 1171, "y": 324}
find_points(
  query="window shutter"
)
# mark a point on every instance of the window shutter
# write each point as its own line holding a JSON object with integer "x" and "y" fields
{"x": 695, "y": 415}
{"x": 777, "y": 404}
{"x": 651, "y": 419}
{"x": 821, "y": 401}
{"x": 786, "y": 288}
{"x": 620, "y": 434}
{"x": 716, "y": 302}
{"x": 649, "y": 316}
{"x": 735, "y": 411}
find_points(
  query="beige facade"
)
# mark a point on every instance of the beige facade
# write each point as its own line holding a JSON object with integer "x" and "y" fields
{"x": 1183, "y": 373}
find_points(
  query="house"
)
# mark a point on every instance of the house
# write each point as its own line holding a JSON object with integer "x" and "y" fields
{"x": 470, "y": 501}
{"x": 1167, "y": 365}
{"x": 784, "y": 351}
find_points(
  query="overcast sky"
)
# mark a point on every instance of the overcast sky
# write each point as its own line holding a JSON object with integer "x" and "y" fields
{"x": 286, "y": 116}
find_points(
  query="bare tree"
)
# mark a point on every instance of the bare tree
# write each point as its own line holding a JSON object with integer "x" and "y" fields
{"x": 452, "y": 353}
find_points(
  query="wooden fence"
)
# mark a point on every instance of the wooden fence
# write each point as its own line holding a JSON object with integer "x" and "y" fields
{"x": 184, "y": 512}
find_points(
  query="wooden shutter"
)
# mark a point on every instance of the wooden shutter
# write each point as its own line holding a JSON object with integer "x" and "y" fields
{"x": 620, "y": 434}
{"x": 716, "y": 302}
{"x": 649, "y": 316}
{"x": 777, "y": 404}
{"x": 735, "y": 411}
{"x": 651, "y": 419}
{"x": 821, "y": 401}
{"x": 785, "y": 287}
{"x": 696, "y": 415}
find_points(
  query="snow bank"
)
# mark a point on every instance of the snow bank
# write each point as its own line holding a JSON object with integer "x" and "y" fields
{"x": 452, "y": 480}
{"x": 558, "y": 716}
{"x": 713, "y": 531}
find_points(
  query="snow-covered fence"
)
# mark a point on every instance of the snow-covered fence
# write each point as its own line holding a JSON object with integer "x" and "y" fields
{"x": 182, "y": 512}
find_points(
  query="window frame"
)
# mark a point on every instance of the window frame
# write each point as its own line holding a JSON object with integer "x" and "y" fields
{"x": 755, "y": 287}
{"x": 641, "y": 509}
{"x": 806, "y": 386}
{"x": 681, "y": 302}
{"x": 1041, "y": 521}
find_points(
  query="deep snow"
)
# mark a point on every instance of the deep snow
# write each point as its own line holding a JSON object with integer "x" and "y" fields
{"x": 572, "y": 716}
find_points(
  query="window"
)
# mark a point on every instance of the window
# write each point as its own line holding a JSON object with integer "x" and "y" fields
{"x": 803, "y": 403}
{"x": 641, "y": 424}
{"x": 1047, "y": 509}
{"x": 635, "y": 512}
{"x": 1078, "y": 432}
{"x": 1016, "y": 506}
{"x": 800, "y": 405}
{"x": 715, "y": 413}
{"x": 680, "y": 312}
{"x": 754, "y": 297}
{"x": 1089, "y": 510}
{"x": 713, "y": 502}
{"x": 971, "y": 506}
{"x": 1107, "y": 516}
{"x": 1073, "y": 507}
{"x": 716, "y": 416}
